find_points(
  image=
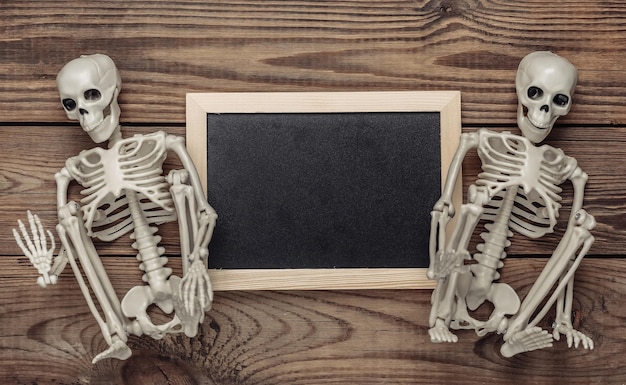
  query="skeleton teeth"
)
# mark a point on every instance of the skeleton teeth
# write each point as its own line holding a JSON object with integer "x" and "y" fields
{"x": 93, "y": 126}
{"x": 537, "y": 125}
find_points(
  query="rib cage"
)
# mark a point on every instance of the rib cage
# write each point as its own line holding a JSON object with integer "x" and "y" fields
{"x": 510, "y": 160}
{"x": 131, "y": 164}
{"x": 115, "y": 220}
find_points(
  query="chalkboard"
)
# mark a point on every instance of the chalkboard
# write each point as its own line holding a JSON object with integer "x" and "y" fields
{"x": 342, "y": 190}
{"x": 322, "y": 190}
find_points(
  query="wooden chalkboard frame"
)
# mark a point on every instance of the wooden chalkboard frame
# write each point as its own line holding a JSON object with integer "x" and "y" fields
{"x": 446, "y": 103}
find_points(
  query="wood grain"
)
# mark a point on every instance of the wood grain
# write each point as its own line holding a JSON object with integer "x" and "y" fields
{"x": 27, "y": 182}
{"x": 303, "y": 337}
{"x": 166, "y": 49}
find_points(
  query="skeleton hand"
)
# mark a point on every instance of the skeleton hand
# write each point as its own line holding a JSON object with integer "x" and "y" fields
{"x": 451, "y": 261}
{"x": 35, "y": 247}
{"x": 196, "y": 287}
{"x": 573, "y": 336}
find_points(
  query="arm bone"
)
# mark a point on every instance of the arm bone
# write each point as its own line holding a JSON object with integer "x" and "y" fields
{"x": 196, "y": 284}
{"x": 575, "y": 238}
{"x": 443, "y": 210}
{"x": 577, "y": 233}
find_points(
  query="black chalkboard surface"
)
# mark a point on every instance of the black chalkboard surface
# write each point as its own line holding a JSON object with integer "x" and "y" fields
{"x": 322, "y": 190}
{"x": 316, "y": 190}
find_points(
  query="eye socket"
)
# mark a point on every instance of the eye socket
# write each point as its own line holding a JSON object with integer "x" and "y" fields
{"x": 92, "y": 95}
{"x": 560, "y": 100}
{"x": 534, "y": 92}
{"x": 69, "y": 104}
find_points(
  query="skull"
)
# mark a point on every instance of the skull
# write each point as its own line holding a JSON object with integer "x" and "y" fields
{"x": 89, "y": 86}
{"x": 545, "y": 84}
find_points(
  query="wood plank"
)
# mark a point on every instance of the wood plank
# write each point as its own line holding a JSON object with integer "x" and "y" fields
{"x": 302, "y": 337}
{"x": 165, "y": 49}
{"x": 29, "y": 163}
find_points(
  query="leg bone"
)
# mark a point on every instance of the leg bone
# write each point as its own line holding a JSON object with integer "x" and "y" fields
{"x": 78, "y": 244}
{"x": 561, "y": 265}
{"x": 447, "y": 288}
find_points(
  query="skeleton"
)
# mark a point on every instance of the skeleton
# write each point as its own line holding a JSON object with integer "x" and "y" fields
{"x": 125, "y": 192}
{"x": 517, "y": 190}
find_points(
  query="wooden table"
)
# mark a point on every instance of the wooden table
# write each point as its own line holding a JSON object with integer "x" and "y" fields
{"x": 165, "y": 49}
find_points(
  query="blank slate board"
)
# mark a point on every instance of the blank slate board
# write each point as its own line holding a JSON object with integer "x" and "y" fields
{"x": 322, "y": 190}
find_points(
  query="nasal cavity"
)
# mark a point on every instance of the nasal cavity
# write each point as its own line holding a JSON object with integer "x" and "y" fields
{"x": 84, "y": 111}
{"x": 543, "y": 108}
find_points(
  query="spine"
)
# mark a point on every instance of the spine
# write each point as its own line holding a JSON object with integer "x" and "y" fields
{"x": 146, "y": 243}
{"x": 491, "y": 252}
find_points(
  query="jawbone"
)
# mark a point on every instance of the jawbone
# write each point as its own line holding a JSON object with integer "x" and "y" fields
{"x": 532, "y": 132}
{"x": 103, "y": 130}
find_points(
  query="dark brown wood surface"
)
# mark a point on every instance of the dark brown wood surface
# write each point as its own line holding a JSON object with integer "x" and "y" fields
{"x": 165, "y": 49}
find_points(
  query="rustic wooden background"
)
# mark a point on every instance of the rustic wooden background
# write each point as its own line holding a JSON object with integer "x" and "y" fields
{"x": 165, "y": 49}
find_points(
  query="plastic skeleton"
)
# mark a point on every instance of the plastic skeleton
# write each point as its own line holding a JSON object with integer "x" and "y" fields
{"x": 124, "y": 191}
{"x": 518, "y": 190}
